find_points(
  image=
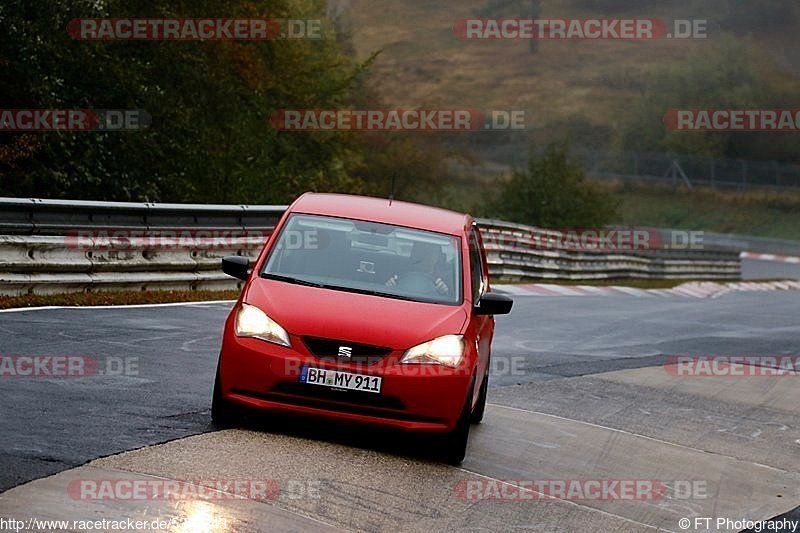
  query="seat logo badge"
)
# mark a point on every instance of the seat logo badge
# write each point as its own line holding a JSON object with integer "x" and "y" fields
{"x": 345, "y": 351}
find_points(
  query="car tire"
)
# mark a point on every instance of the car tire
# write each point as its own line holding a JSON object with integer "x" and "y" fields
{"x": 456, "y": 442}
{"x": 223, "y": 413}
{"x": 480, "y": 408}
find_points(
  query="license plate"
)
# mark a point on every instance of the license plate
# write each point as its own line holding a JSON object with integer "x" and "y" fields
{"x": 340, "y": 380}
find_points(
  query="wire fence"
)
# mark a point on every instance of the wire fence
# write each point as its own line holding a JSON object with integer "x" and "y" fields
{"x": 690, "y": 170}
{"x": 507, "y": 152}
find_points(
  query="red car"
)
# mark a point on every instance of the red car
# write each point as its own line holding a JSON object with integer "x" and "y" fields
{"x": 366, "y": 310}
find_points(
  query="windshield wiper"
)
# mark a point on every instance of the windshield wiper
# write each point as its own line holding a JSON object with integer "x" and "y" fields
{"x": 289, "y": 279}
{"x": 370, "y": 292}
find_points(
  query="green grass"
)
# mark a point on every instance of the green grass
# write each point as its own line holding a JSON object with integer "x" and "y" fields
{"x": 759, "y": 213}
{"x": 80, "y": 299}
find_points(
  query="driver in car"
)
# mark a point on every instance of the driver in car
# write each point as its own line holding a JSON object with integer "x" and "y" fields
{"x": 426, "y": 258}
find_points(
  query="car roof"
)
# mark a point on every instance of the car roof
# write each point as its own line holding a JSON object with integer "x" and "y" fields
{"x": 379, "y": 210}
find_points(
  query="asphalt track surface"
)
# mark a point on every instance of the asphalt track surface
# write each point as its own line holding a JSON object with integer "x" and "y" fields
{"x": 753, "y": 269}
{"x": 579, "y": 391}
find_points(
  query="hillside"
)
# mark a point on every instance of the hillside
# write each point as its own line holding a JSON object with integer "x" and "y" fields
{"x": 589, "y": 84}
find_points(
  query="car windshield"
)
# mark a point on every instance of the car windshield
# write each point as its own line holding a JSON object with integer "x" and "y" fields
{"x": 367, "y": 257}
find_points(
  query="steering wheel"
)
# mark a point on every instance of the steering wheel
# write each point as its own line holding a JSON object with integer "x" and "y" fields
{"x": 418, "y": 282}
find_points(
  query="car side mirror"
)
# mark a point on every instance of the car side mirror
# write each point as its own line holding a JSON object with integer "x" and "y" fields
{"x": 492, "y": 303}
{"x": 236, "y": 266}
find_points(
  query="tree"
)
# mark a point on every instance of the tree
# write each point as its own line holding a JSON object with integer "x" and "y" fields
{"x": 210, "y": 139}
{"x": 553, "y": 193}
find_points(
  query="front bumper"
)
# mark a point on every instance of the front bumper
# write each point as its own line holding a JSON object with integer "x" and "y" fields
{"x": 261, "y": 375}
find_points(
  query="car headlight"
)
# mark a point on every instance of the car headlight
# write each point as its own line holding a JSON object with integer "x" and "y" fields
{"x": 447, "y": 350}
{"x": 253, "y": 322}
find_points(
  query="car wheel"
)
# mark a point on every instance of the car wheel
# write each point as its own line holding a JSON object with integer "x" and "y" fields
{"x": 480, "y": 407}
{"x": 456, "y": 442}
{"x": 223, "y": 413}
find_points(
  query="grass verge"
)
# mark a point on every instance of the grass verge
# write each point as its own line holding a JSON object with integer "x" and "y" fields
{"x": 80, "y": 299}
{"x": 763, "y": 213}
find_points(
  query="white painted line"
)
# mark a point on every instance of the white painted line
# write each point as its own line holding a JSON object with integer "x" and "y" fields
{"x": 20, "y": 309}
{"x": 131, "y": 306}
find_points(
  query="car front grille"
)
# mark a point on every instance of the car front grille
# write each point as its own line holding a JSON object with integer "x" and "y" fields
{"x": 345, "y": 351}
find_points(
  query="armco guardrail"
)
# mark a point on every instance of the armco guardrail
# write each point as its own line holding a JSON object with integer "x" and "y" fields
{"x": 19, "y": 216}
{"x": 53, "y": 246}
{"x": 523, "y": 252}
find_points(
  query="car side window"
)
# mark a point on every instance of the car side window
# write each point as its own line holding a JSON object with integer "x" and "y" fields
{"x": 476, "y": 267}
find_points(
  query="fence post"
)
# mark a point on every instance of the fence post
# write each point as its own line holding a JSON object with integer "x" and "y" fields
{"x": 679, "y": 169}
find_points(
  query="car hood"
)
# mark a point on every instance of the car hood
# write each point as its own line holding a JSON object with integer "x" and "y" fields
{"x": 362, "y": 318}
